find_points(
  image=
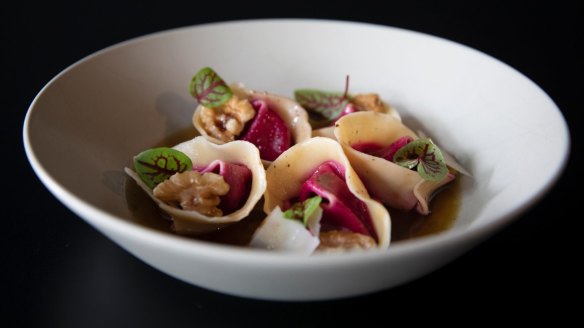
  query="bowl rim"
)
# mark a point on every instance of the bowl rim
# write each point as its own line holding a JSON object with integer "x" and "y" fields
{"x": 237, "y": 254}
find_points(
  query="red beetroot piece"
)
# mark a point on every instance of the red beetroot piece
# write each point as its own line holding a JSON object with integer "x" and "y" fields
{"x": 267, "y": 131}
{"x": 341, "y": 209}
{"x": 238, "y": 177}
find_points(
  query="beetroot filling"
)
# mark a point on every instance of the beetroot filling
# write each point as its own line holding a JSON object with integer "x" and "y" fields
{"x": 267, "y": 131}
{"x": 377, "y": 150}
{"x": 350, "y": 108}
{"x": 341, "y": 209}
{"x": 238, "y": 177}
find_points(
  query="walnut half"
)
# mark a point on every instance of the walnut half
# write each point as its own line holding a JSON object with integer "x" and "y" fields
{"x": 338, "y": 240}
{"x": 369, "y": 101}
{"x": 191, "y": 190}
{"x": 228, "y": 120}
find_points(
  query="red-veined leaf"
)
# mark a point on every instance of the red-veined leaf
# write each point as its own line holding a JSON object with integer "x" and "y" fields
{"x": 209, "y": 89}
{"x": 327, "y": 104}
{"x": 426, "y": 156}
{"x": 158, "y": 164}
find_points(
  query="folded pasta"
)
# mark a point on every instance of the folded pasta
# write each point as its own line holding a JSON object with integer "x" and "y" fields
{"x": 202, "y": 186}
{"x": 373, "y": 143}
{"x": 232, "y": 112}
{"x": 318, "y": 168}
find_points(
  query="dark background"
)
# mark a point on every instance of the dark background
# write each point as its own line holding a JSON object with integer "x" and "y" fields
{"x": 57, "y": 271}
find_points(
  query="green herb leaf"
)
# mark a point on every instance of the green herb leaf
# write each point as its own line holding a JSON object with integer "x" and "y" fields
{"x": 424, "y": 154}
{"x": 209, "y": 89}
{"x": 303, "y": 210}
{"x": 158, "y": 164}
{"x": 296, "y": 212}
{"x": 327, "y": 104}
{"x": 310, "y": 205}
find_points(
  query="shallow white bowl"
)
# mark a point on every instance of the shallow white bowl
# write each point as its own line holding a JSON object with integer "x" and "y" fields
{"x": 88, "y": 122}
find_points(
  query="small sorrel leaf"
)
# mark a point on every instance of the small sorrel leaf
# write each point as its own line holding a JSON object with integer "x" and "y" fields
{"x": 327, "y": 104}
{"x": 209, "y": 89}
{"x": 310, "y": 205}
{"x": 303, "y": 210}
{"x": 426, "y": 156}
{"x": 296, "y": 212}
{"x": 158, "y": 164}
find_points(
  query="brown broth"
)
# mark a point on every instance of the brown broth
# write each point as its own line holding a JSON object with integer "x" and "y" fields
{"x": 404, "y": 225}
{"x": 444, "y": 209}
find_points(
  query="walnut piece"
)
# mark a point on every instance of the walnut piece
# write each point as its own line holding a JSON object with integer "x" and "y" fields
{"x": 191, "y": 190}
{"x": 369, "y": 101}
{"x": 338, "y": 240}
{"x": 228, "y": 120}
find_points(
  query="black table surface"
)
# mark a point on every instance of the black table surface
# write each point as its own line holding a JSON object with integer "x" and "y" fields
{"x": 58, "y": 271}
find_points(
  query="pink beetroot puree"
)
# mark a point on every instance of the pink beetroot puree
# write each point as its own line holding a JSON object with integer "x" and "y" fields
{"x": 350, "y": 108}
{"x": 377, "y": 150}
{"x": 267, "y": 131}
{"x": 238, "y": 177}
{"x": 341, "y": 209}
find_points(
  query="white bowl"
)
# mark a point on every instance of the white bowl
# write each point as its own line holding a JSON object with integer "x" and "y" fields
{"x": 91, "y": 119}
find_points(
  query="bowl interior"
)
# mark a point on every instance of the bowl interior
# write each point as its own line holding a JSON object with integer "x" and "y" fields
{"x": 89, "y": 121}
